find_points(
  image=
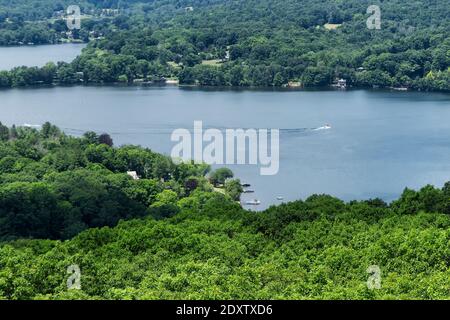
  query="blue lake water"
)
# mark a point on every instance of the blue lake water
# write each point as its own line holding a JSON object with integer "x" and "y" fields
{"x": 380, "y": 142}
{"x": 38, "y": 56}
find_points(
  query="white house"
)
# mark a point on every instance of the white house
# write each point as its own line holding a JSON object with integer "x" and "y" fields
{"x": 133, "y": 174}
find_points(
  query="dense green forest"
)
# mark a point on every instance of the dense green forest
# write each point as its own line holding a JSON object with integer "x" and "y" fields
{"x": 171, "y": 235}
{"x": 261, "y": 43}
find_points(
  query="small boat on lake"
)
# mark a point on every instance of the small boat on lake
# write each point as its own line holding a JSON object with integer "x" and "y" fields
{"x": 325, "y": 127}
{"x": 253, "y": 202}
{"x": 249, "y": 191}
{"x": 280, "y": 198}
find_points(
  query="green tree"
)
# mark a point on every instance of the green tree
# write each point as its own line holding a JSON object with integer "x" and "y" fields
{"x": 4, "y": 132}
{"x": 219, "y": 176}
{"x": 234, "y": 189}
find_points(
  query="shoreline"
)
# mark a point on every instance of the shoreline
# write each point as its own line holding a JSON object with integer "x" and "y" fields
{"x": 224, "y": 88}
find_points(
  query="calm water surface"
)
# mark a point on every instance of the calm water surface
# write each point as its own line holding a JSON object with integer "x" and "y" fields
{"x": 380, "y": 142}
{"x": 32, "y": 56}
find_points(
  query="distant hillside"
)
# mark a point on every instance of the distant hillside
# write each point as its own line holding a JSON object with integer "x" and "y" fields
{"x": 264, "y": 43}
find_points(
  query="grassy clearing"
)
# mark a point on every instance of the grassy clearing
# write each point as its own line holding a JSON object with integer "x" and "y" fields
{"x": 215, "y": 62}
{"x": 332, "y": 26}
{"x": 173, "y": 64}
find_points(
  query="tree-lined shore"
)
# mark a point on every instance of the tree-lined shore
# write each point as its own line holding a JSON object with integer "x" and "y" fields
{"x": 255, "y": 43}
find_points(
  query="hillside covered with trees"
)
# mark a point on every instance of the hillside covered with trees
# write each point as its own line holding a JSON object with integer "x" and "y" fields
{"x": 260, "y": 43}
{"x": 68, "y": 201}
{"x": 53, "y": 186}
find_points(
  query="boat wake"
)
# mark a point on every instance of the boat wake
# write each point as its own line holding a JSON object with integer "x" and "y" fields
{"x": 326, "y": 127}
{"x": 304, "y": 130}
{"x": 169, "y": 130}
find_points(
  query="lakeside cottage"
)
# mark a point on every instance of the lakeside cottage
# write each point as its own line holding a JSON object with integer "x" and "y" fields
{"x": 342, "y": 84}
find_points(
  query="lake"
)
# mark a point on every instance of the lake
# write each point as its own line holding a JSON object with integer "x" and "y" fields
{"x": 380, "y": 141}
{"x": 32, "y": 56}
